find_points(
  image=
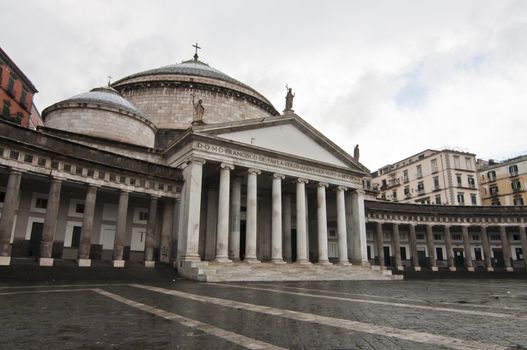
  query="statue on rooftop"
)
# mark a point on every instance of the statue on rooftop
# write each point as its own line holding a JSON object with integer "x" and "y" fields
{"x": 289, "y": 99}
{"x": 356, "y": 153}
{"x": 199, "y": 110}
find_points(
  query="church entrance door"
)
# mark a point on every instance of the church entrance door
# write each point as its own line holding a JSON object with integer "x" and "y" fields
{"x": 35, "y": 239}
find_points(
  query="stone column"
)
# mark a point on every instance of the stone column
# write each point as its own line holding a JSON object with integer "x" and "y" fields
{"x": 467, "y": 248}
{"x": 506, "y": 249}
{"x": 301, "y": 231}
{"x": 449, "y": 251}
{"x": 8, "y": 215}
{"x": 234, "y": 237}
{"x": 50, "y": 223}
{"x": 341, "y": 226}
{"x": 523, "y": 237}
{"x": 359, "y": 251}
{"x": 250, "y": 236}
{"x": 222, "y": 233}
{"x": 379, "y": 244}
{"x": 87, "y": 227}
{"x": 120, "y": 230}
{"x": 396, "y": 239}
{"x": 286, "y": 220}
{"x": 430, "y": 247}
{"x": 150, "y": 233}
{"x": 413, "y": 248}
{"x": 211, "y": 223}
{"x": 486, "y": 248}
{"x": 166, "y": 231}
{"x": 322, "y": 224}
{"x": 189, "y": 216}
{"x": 276, "y": 220}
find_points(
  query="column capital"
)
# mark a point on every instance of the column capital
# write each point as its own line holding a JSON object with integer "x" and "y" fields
{"x": 55, "y": 179}
{"x": 254, "y": 171}
{"x": 341, "y": 188}
{"x": 227, "y": 166}
{"x": 278, "y": 176}
{"x": 193, "y": 160}
{"x": 302, "y": 180}
{"x": 322, "y": 184}
{"x": 359, "y": 191}
{"x": 16, "y": 171}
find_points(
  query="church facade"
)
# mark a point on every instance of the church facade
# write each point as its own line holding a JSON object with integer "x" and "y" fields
{"x": 185, "y": 165}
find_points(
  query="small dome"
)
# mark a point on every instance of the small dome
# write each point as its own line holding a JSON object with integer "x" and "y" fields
{"x": 105, "y": 95}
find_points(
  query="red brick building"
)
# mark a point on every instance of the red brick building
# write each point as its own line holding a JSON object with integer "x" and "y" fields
{"x": 16, "y": 92}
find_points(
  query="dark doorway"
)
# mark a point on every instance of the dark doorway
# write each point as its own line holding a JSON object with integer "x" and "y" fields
{"x": 243, "y": 230}
{"x": 368, "y": 251}
{"x": 439, "y": 254}
{"x": 403, "y": 253}
{"x": 459, "y": 257}
{"x": 76, "y": 236}
{"x": 35, "y": 239}
{"x": 499, "y": 262}
{"x": 421, "y": 257}
{"x": 387, "y": 258}
{"x": 293, "y": 245}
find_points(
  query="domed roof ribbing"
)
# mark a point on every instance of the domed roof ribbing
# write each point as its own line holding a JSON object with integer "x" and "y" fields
{"x": 105, "y": 95}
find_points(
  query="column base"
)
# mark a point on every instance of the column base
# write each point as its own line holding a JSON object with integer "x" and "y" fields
{"x": 118, "y": 263}
{"x": 222, "y": 259}
{"x": 277, "y": 261}
{"x": 45, "y": 261}
{"x": 150, "y": 264}
{"x": 343, "y": 263}
{"x": 84, "y": 262}
{"x": 471, "y": 269}
{"x": 434, "y": 268}
{"x": 452, "y": 268}
{"x": 251, "y": 261}
{"x": 400, "y": 268}
{"x": 489, "y": 269}
{"x": 5, "y": 260}
{"x": 416, "y": 268}
{"x": 303, "y": 262}
{"x": 509, "y": 269}
{"x": 324, "y": 263}
{"x": 364, "y": 263}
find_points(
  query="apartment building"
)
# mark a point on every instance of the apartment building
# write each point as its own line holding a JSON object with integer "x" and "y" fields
{"x": 442, "y": 177}
{"x": 503, "y": 183}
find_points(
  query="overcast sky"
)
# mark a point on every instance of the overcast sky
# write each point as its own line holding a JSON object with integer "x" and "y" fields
{"x": 396, "y": 77}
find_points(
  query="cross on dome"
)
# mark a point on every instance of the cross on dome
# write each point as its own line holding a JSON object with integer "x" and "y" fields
{"x": 196, "y": 53}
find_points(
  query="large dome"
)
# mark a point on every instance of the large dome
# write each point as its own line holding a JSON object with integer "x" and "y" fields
{"x": 102, "y": 112}
{"x": 165, "y": 95}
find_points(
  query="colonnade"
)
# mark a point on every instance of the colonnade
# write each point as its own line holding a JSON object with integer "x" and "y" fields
{"x": 430, "y": 245}
{"x": 51, "y": 218}
{"x": 229, "y": 203}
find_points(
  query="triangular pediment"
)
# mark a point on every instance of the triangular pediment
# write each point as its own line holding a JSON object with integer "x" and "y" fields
{"x": 289, "y": 135}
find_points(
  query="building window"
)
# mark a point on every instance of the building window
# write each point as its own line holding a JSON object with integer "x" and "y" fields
{"x": 436, "y": 183}
{"x": 6, "y": 111}
{"x": 468, "y": 163}
{"x": 516, "y": 185}
{"x": 438, "y": 237}
{"x": 407, "y": 191}
{"x": 28, "y": 158}
{"x": 23, "y": 97}
{"x": 405, "y": 176}
{"x": 471, "y": 181}
{"x": 19, "y": 118}
{"x": 456, "y": 237}
{"x": 438, "y": 199}
{"x": 456, "y": 162}
{"x": 420, "y": 187}
{"x": 491, "y": 175}
{"x": 434, "y": 165}
{"x": 10, "y": 85}
{"x": 515, "y": 237}
{"x": 13, "y": 155}
{"x": 78, "y": 170}
{"x": 420, "y": 237}
{"x": 67, "y": 167}
{"x": 495, "y": 202}
{"x": 475, "y": 237}
{"x": 90, "y": 173}
{"x": 394, "y": 195}
{"x": 473, "y": 199}
{"x": 461, "y": 198}
{"x": 419, "y": 171}
{"x": 41, "y": 203}
{"x": 495, "y": 237}
{"x": 54, "y": 164}
{"x": 513, "y": 170}
{"x": 459, "y": 182}
{"x": 79, "y": 208}
{"x": 518, "y": 200}
{"x": 493, "y": 190}
{"x": 42, "y": 161}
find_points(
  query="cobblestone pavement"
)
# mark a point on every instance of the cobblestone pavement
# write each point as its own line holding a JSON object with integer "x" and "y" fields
{"x": 436, "y": 314}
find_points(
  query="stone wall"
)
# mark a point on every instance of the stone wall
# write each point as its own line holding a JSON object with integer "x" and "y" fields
{"x": 171, "y": 107}
{"x": 102, "y": 123}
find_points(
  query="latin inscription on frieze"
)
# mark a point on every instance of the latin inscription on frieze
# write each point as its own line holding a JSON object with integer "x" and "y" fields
{"x": 274, "y": 161}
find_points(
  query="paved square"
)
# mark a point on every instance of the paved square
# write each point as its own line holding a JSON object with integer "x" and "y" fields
{"x": 440, "y": 314}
